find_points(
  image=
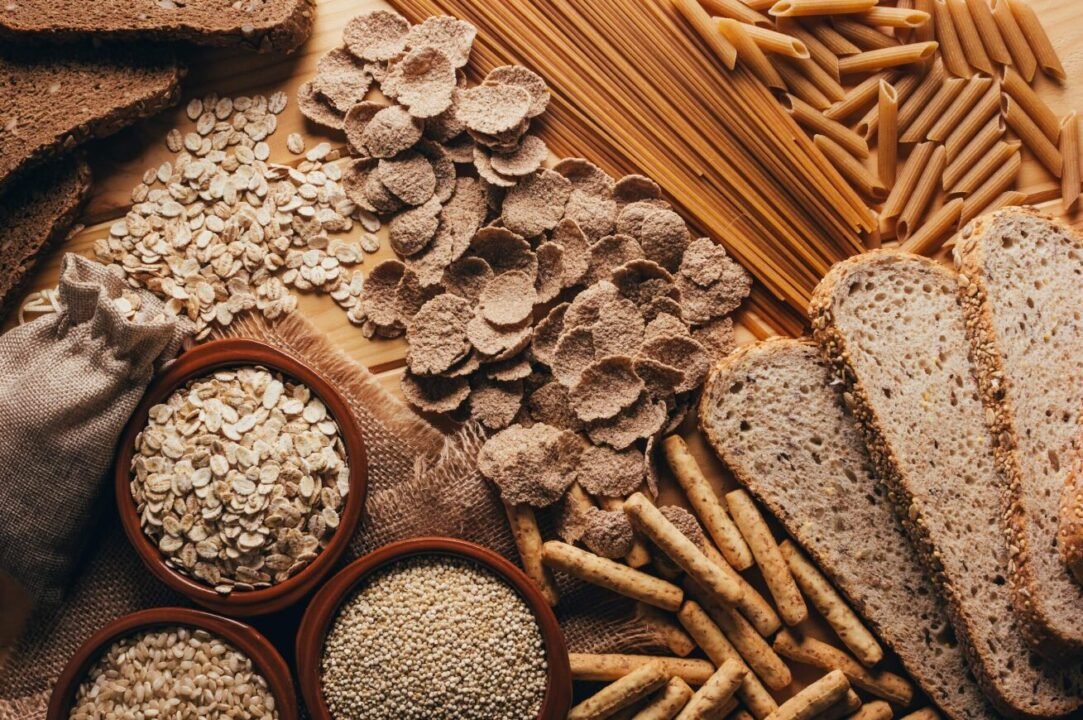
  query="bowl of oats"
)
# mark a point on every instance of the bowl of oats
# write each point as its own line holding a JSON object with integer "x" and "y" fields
{"x": 432, "y": 629}
{"x": 241, "y": 477}
{"x": 175, "y": 662}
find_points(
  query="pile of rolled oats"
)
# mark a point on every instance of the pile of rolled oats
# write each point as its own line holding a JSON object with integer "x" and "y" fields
{"x": 220, "y": 229}
{"x": 239, "y": 478}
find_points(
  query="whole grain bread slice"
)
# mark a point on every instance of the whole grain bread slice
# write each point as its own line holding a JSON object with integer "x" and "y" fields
{"x": 51, "y": 100}
{"x": 892, "y": 326}
{"x": 771, "y": 414}
{"x": 1020, "y": 275}
{"x": 263, "y": 25}
{"x": 34, "y": 216}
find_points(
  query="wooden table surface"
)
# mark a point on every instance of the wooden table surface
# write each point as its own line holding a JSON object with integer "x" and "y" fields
{"x": 119, "y": 163}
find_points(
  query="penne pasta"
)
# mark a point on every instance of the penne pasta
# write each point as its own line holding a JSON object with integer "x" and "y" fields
{"x": 968, "y": 36}
{"x": 1022, "y": 56}
{"x": 830, "y": 37}
{"x": 823, "y": 80}
{"x": 923, "y": 193}
{"x": 1008, "y": 198}
{"x": 974, "y": 151}
{"x": 907, "y": 181}
{"x": 868, "y": 126}
{"x": 922, "y": 95}
{"x": 951, "y": 49}
{"x": 1032, "y": 136}
{"x": 860, "y": 98}
{"x": 987, "y": 106}
{"x": 1042, "y": 192}
{"x": 776, "y": 42}
{"x": 1037, "y": 39}
{"x": 819, "y": 52}
{"x": 897, "y": 17}
{"x": 736, "y": 10}
{"x": 887, "y": 140}
{"x": 982, "y": 170}
{"x": 982, "y": 15}
{"x": 862, "y": 35}
{"x": 925, "y": 32}
{"x": 800, "y": 85}
{"x": 1000, "y": 182}
{"x": 749, "y": 53}
{"x": 1031, "y": 102}
{"x": 851, "y": 168}
{"x": 874, "y": 60}
{"x": 700, "y": 21}
{"x": 759, "y": 5}
{"x": 919, "y": 129}
{"x": 931, "y": 235}
{"x": 813, "y": 120}
{"x": 805, "y": 8}
{"x": 975, "y": 88}
{"x": 1069, "y": 150}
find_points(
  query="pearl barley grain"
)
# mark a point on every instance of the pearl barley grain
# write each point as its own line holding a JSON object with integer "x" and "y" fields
{"x": 434, "y": 639}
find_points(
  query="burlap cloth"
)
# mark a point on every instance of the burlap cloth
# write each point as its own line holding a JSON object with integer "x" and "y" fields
{"x": 421, "y": 482}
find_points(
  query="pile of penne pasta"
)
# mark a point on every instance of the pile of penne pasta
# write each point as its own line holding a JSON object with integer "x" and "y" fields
{"x": 923, "y": 106}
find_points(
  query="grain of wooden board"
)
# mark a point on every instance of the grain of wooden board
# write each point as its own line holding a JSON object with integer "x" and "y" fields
{"x": 119, "y": 164}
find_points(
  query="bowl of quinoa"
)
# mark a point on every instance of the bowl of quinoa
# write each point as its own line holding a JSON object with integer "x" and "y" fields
{"x": 433, "y": 629}
{"x": 175, "y": 662}
{"x": 240, "y": 477}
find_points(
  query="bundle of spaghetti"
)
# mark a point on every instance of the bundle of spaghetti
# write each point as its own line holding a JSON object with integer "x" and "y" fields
{"x": 636, "y": 89}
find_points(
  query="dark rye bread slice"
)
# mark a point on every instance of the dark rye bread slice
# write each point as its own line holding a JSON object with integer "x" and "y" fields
{"x": 1021, "y": 275}
{"x": 264, "y": 25}
{"x": 892, "y": 326}
{"x": 52, "y": 100}
{"x": 772, "y": 416}
{"x": 35, "y": 215}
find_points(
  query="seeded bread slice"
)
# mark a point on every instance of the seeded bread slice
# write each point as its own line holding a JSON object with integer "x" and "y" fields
{"x": 51, "y": 101}
{"x": 264, "y": 25}
{"x": 772, "y": 416}
{"x": 34, "y": 216}
{"x": 892, "y": 327}
{"x": 1020, "y": 276}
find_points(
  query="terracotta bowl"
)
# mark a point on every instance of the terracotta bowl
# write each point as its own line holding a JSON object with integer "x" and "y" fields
{"x": 265, "y": 658}
{"x": 324, "y": 607}
{"x": 195, "y": 363}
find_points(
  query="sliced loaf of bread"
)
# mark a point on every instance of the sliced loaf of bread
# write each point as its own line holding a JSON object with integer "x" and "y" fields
{"x": 771, "y": 414}
{"x": 1021, "y": 281}
{"x": 35, "y": 215}
{"x": 51, "y": 100}
{"x": 264, "y": 25}
{"x": 893, "y": 328}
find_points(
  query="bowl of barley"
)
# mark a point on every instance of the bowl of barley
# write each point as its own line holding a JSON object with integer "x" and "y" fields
{"x": 241, "y": 477}
{"x": 175, "y": 662}
{"x": 432, "y": 628}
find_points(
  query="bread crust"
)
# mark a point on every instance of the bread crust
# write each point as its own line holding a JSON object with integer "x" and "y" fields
{"x": 1070, "y": 527}
{"x": 834, "y": 348}
{"x": 995, "y": 386}
{"x": 774, "y": 347}
{"x": 284, "y": 31}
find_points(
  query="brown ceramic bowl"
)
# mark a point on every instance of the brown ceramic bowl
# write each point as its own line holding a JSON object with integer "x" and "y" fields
{"x": 265, "y": 659}
{"x": 195, "y": 363}
{"x": 324, "y": 607}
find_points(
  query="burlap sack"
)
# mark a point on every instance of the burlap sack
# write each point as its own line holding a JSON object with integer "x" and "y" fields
{"x": 68, "y": 383}
{"x": 421, "y": 482}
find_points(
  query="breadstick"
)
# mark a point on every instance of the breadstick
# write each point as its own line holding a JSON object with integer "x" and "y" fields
{"x": 711, "y": 699}
{"x": 665, "y": 706}
{"x": 922, "y": 714}
{"x": 755, "y": 651}
{"x": 814, "y": 699}
{"x": 670, "y": 632}
{"x": 849, "y": 703}
{"x": 639, "y": 556}
{"x": 810, "y": 651}
{"x": 1069, "y": 150}
{"x": 1039, "y": 42}
{"x": 791, "y": 606}
{"x": 715, "y": 645}
{"x": 610, "y": 667}
{"x": 834, "y": 609}
{"x": 611, "y": 575}
{"x": 631, "y": 688}
{"x": 528, "y": 540}
{"x": 705, "y": 503}
{"x": 1022, "y": 56}
{"x": 876, "y": 710}
{"x": 752, "y": 605}
{"x": 680, "y": 549}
